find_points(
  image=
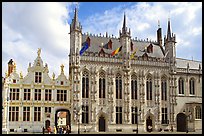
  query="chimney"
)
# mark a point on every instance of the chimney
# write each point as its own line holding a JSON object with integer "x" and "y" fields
{"x": 10, "y": 66}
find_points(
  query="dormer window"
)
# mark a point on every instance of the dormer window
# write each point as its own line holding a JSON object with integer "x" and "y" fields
{"x": 38, "y": 77}
{"x": 14, "y": 80}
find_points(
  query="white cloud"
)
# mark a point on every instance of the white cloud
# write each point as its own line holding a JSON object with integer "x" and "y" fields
{"x": 29, "y": 26}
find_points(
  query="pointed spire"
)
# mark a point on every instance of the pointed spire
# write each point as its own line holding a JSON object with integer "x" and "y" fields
{"x": 124, "y": 22}
{"x": 158, "y": 24}
{"x": 169, "y": 30}
{"x": 75, "y": 17}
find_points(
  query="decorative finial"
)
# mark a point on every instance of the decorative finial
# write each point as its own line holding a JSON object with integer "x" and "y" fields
{"x": 39, "y": 51}
{"x": 14, "y": 66}
{"x": 158, "y": 24}
{"x": 53, "y": 76}
{"x": 62, "y": 68}
{"x": 6, "y": 73}
{"x": 21, "y": 75}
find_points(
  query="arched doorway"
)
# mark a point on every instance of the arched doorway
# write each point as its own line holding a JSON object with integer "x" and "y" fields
{"x": 65, "y": 122}
{"x": 102, "y": 124}
{"x": 181, "y": 122}
{"x": 149, "y": 124}
{"x": 47, "y": 124}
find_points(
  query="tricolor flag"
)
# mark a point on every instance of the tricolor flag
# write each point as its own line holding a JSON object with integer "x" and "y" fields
{"x": 84, "y": 48}
{"x": 116, "y": 51}
{"x": 133, "y": 54}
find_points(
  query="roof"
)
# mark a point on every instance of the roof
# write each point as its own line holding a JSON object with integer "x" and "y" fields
{"x": 62, "y": 114}
{"x": 96, "y": 45}
{"x": 182, "y": 63}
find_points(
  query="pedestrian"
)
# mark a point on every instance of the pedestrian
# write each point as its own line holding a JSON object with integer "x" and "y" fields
{"x": 68, "y": 129}
{"x": 55, "y": 130}
{"x": 49, "y": 130}
{"x": 43, "y": 130}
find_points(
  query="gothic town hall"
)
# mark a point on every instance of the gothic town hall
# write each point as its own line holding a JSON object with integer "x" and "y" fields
{"x": 146, "y": 90}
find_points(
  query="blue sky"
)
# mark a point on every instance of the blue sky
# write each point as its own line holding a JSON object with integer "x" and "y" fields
{"x": 29, "y": 26}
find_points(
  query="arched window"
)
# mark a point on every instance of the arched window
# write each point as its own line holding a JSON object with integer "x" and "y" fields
{"x": 192, "y": 86}
{"x": 163, "y": 89}
{"x": 102, "y": 85}
{"x": 133, "y": 87}
{"x": 198, "y": 112}
{"x": 149, "y": 88}
{"x": 85, "y": 85}
{"x": 181, "y": 86}
{"x": 118, "y": 84}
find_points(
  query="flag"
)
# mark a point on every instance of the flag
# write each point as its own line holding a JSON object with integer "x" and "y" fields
{"x": 84, "y": 48}
{"x": 133, "y": 54}
{"x": 116, "y": 51}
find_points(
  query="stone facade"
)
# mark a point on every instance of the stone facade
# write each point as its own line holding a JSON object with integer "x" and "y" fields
{"x": 156, "y": 65}
{"x": 19, "y": 100}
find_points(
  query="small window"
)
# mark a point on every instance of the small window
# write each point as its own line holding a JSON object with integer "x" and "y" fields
{"x": 62, "y": 82}
{"x": 14, "y": 80}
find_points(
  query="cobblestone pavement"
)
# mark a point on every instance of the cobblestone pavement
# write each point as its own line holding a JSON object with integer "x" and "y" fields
{"x": 197, "y": 132}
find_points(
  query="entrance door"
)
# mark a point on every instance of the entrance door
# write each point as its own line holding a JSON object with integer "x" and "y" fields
{"x": 47, "y": 124}
{"x": 181, "y": 122}
{"x": 102, "y": 124}
{"x": 149, "y": 124}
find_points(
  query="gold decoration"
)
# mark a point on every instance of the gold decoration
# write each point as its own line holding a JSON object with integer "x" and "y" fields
{"x": 39, "y": 51}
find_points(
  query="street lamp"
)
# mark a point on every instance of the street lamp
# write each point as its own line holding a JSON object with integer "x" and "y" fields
{"x": 138, "y": 114}
{"x": 76, "y": 111}
{"x": 189, "y": 116}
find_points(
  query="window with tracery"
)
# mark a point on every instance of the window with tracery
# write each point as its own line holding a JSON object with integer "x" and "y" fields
{"x": 149, "y": 88}
{"x": 102, "y": 85}
{"x": 181, "y": 86}
{"x": 164, "y": 89}
{"x": 118, "y": 84}
{"x": 85, "y": 85}
{"x": 133, "y": 87}
{"x": 192, "y": 86}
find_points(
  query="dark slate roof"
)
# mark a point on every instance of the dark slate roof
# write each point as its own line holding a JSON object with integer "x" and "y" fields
{"x": 182, "y": 63}
{"x": 96, "y": 43}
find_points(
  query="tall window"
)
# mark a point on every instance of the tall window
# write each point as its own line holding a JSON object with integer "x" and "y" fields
{"x": 118, "y": 115}
{"x": 192, "y": 86}
{"x": 13, "y": 113}
{"x": 102, "y": 85}
{"x": 164, "y": 89}
{"x": 118, "y": 82}
{"x": 85, "y": 114}
{"x": 134, "y": 87}
{"x": 198, "y": 112}
{"x": 38, "y": 94}
{"x": 181, "y": 86}
{"x": 85, "y": 85}
{"x": 37, "y": 112}
{"x": 26, "y": 113}
{"x": 164, "y": 116}
{"x": 134, "y": 115}
{"x": 61, "y": 95}
{"x": 149, "y": 88}
{"x": 38, "y": 77}
{"x": 47, "y": 109}
{"x": 48, "y": 94}
{"x": 14, "y": 94}
{"x": 27, "y": 94}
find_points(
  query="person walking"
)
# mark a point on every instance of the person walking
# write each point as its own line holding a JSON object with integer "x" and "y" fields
{"x": 55, "y": 130}
{"x": 43, "y": 129}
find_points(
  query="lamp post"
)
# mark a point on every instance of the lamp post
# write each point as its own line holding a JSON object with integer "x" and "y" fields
{"x": 138, "y": 114}
{"x": 188, "y": 119}
{"x": 76, "y": 111}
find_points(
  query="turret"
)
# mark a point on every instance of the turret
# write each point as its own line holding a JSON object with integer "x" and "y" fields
{"x": 125, "y": 40}
{"x": 169, "y": 43}
{"x": 75, "y": 38}
{"x": 159, "y": 37}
